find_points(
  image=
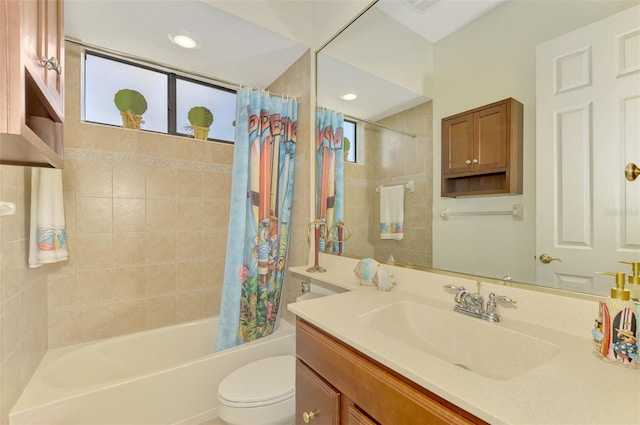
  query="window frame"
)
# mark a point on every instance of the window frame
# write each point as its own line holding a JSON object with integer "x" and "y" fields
{"x": 172, "y": 77}
{"x": 353, "y": 143}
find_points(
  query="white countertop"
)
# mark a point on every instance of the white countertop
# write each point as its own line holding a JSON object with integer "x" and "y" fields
{"x": 573, "y": 387}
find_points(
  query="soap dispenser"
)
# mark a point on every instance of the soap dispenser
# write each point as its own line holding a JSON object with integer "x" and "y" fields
{"x": 633, "y": 284}
{"x": 616, "y": 329}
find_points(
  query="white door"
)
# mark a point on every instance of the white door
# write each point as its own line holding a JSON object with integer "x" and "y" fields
{"x": 587, "y": 130}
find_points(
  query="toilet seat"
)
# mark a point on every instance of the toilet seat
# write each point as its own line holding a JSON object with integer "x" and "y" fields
{"x": 276, "y": 383}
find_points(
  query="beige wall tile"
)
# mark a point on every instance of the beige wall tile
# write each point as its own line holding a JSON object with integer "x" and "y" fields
{"x": 189, "y": 184}
{"x": 161, "y": 214}
{"x": 161, "y": 279}
{"x": 129, "y": 180}
{"x": 189, "y": 215}
{"x": 189, "y": 246}
{"x": 94, "y": 287}
{"x": 93, "y": 178}
{"x": 161, "y": 182}
{"x": 189, "y": 307}
{"x": 129, "y": 283}
{"x": 129, "y": 249}
{"x": 189, "y": 276}
{"x": 94, "y": 215}
{"x": 161, "y": 247}
{"x": 95, "y": 250}
{"x": 129, "y": 215}
{"x": 161, "y": 312}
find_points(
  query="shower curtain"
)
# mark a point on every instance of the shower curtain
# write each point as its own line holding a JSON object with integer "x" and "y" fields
{"x": 260, "y": 212}
{"x": 329, "y": 176}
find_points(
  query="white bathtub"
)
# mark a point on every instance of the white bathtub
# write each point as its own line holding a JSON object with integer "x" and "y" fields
{"x": 162, "y": 376}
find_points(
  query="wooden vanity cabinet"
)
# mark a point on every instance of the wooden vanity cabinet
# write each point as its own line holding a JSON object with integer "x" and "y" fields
{"x": 32, "y": 92}
{"x": 482, "y": 150}
{"x": 333, "y": 377}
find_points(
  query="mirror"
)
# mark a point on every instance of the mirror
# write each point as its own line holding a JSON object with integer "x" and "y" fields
{"x": 406, "y": 83}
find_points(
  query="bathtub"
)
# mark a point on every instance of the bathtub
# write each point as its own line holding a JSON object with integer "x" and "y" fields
{"x": 162, "y": 376}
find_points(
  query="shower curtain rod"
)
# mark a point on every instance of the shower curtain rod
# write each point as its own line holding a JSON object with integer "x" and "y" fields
{"x": 413, "y": 136}
{"x": 142, "y": 61}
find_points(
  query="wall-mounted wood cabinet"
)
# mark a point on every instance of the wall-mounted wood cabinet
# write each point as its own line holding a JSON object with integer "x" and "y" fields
{"x": 482, "y": 150}
{"x": 336, "y": 384}
{"x": 32, "y": 87}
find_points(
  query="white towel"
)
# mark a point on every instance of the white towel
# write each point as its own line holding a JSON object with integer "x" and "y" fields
{"x": 48, "y": 238}
{"x": 392, "y": 212}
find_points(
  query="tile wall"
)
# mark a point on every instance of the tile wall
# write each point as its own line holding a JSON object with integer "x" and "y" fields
{"x": 23, "y": 293}
{"x": 392, "y": 158}
{"x": 146, "y": 222}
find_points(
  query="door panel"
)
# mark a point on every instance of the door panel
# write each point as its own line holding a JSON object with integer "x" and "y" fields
{"x": 587, "y": 129}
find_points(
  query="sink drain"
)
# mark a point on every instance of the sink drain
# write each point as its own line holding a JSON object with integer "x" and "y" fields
{"x": 460, "y": 365}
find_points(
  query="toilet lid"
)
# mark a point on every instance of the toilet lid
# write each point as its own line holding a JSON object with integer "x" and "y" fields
{"x": 259, "y": 383}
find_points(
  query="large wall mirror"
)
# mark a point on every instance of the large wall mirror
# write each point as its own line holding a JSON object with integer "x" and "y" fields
{"x": 410, "y": 68}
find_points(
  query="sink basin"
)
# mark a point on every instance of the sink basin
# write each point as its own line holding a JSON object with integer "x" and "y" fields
{"x": 483, "y": 348}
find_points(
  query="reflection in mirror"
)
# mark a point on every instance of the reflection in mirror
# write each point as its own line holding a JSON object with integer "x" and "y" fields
{"x": 408, "y": 79}
{"x": 329, "y": 181}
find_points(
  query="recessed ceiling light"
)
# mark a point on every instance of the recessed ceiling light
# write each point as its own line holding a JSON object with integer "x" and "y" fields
{"x": 349, "y": 96}
{"x": 184, "y": 39}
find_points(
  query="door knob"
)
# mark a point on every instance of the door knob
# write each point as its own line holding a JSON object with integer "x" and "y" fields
{"x": 468, "y": 161}
{"x": 546, "y": 258}
{"x": 631, "y": 171}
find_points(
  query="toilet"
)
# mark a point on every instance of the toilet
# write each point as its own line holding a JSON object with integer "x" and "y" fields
{"x": 263, "y": 392}
{"x": 259, "y": 393}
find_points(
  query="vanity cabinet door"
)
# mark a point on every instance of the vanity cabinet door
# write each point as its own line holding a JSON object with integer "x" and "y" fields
{"x": 374, "y": 392}
{"x": 317, "y": 402}
{"x": 355, "y": 416}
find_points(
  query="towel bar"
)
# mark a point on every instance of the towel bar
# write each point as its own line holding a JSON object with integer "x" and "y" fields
{"x": 410, "y": 186}
{"x": 517, "y": 212}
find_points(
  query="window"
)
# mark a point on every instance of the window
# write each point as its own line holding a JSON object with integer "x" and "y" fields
{"x": 169, "y": 97}
{"x": 349, "y": 132}
{"x": 222, "y": 103}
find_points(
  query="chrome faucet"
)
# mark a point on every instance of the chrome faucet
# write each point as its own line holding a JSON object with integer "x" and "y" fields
{"x": 472, "y": 303}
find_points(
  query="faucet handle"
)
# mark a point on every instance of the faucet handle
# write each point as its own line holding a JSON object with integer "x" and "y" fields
{"x": 493, "y": 299}
{"x": 454, "y": 287}
{"x": 501, "y": 298}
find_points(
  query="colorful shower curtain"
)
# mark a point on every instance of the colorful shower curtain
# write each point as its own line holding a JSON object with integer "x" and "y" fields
{"x": 260, "y": 212}
{"x": 329, "y": 177}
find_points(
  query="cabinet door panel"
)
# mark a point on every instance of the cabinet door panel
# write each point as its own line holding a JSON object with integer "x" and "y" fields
{"x": 315, "y": 396}
{"x": 355, "y": 416}
{"x": 491, "y": 138}
{"x": 458, "y": 144}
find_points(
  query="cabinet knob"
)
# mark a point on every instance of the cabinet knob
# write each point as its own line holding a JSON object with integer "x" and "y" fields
{"x": 475, "y": 161}
{"x": 51, "y": 64}
{"x": 468, "y": 161}
{"x": 307, "y": 416}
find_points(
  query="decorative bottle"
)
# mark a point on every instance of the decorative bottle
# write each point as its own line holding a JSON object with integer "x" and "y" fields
{"x": 616, "y": 329}
{"x": 633, "y": 283}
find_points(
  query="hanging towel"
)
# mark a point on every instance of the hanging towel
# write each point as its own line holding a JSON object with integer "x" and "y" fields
{"x": 47, "y": 238}
{"x": 392, "y": 212}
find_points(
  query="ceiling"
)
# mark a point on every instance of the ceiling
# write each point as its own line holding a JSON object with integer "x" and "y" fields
{"x": 238, "y": 48}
